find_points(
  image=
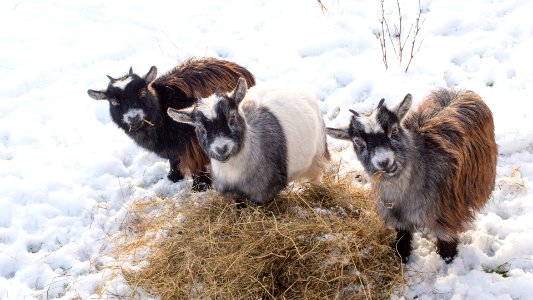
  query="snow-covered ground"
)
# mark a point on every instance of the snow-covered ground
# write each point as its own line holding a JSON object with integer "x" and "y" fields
{"x": 67, "y": 172}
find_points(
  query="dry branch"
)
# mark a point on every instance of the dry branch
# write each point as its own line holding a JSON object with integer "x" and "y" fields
{"x": 398, "y": 39}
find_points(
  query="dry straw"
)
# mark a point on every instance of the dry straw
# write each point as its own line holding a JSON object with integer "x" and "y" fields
{"x": 312, "y": 242}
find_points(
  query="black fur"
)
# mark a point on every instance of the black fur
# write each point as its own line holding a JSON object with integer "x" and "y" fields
{"x": 402, "y": 244}
{"x": 157, "y": 132}
{"x": 447, "y": 250}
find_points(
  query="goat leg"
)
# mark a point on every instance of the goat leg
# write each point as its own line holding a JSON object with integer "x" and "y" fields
{"x": 447, "y": 250}
{"x": 402, "y": 244}
{"x": 201, "y": 182}
{"x": 175, "y": 174}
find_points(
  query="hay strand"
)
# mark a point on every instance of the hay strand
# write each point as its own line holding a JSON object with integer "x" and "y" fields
{"x": 314, "y": 242}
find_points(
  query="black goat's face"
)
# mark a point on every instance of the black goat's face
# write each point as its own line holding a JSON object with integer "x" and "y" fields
{"x": 132, "y": 106}
{"x": 378, "y": 138}
{"x": 220, "y": 127}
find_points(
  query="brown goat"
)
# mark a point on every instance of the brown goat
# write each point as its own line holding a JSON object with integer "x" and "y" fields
{"x": 433, "y": 168}
{"x": 461, "y": 127}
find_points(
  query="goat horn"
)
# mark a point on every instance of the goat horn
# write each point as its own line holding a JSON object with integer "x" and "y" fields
{"x": 380, "y": 104}
{"x": 197, "y": 96}
{"x": 131, "y": 71}
{"x": 354, "y": 112}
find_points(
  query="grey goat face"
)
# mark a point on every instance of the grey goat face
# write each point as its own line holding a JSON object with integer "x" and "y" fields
{"x": 378, "y": 138}
{"x": 220, "y": 127}
{"x": 131, "y": 107}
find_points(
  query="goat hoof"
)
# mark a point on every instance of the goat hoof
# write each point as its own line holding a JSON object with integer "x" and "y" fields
{"x": 240, "y": 204}
{"x": 201, "y": 183}
{"x": 175, "y": 176}
{"x": 447, "y": 250}
{"x": 200, "y": 187}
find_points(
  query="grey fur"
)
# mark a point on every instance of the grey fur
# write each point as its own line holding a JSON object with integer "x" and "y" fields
{"x": 263, "y": 166}
{"x": 254, "y": 164}
{"x": 443, "y": 164}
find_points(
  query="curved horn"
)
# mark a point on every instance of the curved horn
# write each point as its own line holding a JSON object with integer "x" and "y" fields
{"x": 380, "y": 104}
{"x": 354, "y": 112}
{"x": 197, "y": 96}
{"x": 218, "y": 92}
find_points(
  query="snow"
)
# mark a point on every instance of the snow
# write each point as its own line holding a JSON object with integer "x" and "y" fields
{"x": 67, "y": 172}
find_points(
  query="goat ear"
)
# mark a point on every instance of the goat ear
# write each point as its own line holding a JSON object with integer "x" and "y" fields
{"x": 111, "y": 78}
{"x": 380, "y": 104}
{"x": 338, "y": 133}
{"x": 185, "y": 115}
{"x": 218, "y": 92}
{"x": 97, "y": 95}
{"x": 150, "y": 76}
{"x": 197, "y": 96}
{"x": 240, "y": 90}
{"x": 354, "y": 112}
{"x": 403, "y": 107}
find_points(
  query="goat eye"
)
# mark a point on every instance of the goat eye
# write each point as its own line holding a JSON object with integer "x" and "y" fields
{"x": 232, "y": 119}
{"x": 394, "y": 130}
{"x": 142, "y": 93}
{"x": 200, "y": 130}
{"x": 359, "y": 143}
{"x": 114, "y": 102}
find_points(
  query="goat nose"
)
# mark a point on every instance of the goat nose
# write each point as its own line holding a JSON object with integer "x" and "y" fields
{"x": 134, "y": 119}
{"x": 384, "y": 163}
{"x": 222, "y": 149}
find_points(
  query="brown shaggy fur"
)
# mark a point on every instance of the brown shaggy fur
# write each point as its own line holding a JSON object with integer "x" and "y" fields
{"x": 460, "y": 125}
{"x": 205, "y": 75}
{"x": 194, "y": 158}
{"x": 199, "y": 76}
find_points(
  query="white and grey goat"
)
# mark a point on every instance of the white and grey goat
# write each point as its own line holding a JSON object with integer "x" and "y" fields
{"x": 259, "y": 144}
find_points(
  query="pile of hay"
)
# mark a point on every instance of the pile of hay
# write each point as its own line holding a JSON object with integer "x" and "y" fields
{"x": 315, "y": 242}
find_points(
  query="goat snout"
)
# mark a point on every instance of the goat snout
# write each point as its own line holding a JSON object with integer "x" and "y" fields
{"x": 383, "y": 160}
{"x": 384, "y": 164}
{"x": 134, "y": 119}
{"x": 388, "y": 165}
{"x": 221, "y": 150}
{"x": 133, "y": 116}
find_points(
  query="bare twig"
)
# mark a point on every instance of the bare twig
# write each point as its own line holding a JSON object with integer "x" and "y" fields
{"x": 381, "y": 36}
{"x": 322, "y": 7}
{"x": 399, "y": 32}
{"x": 397, "y": 37}
{"x": 418, "y": 25}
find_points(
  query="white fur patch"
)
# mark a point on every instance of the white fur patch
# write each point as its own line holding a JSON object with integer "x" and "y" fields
{"x": 301, "y": 119}
{"x": 122, "y": 83}
{"x": 381, "y": 154}
{"x": 232, "y": 170}
{"x": 207, "y": 106}
{"x": 132, "y": 114}
{"x": 220, "y": 142}
{"x": 371, "y": 123}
